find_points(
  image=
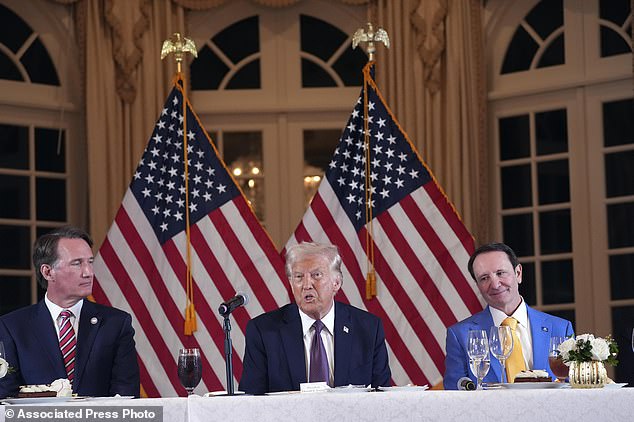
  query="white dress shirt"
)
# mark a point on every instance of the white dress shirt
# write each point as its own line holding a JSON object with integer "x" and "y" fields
{"x": 55, "y": 311}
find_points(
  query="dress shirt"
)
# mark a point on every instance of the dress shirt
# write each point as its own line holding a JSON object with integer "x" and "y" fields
{"x": 523, "y": 329}
{"x": 55, "y": 311}
{"x": 326, "y": 336}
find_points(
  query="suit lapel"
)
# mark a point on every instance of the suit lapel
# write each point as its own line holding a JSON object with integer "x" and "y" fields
{"x": 89, "y": 324}
{"x": 293, "y": 344}
{"x": 540, "y": 333}
{"x": 343, "y": 344}
{"x": 46, "y": 336}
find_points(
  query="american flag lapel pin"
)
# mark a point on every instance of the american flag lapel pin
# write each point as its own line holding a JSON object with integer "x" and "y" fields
{"x": 346, "y": 329}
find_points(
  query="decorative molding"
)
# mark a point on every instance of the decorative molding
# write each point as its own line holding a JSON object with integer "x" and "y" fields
{"x": 430, "y": 39}
{"x": 127, "y": 53}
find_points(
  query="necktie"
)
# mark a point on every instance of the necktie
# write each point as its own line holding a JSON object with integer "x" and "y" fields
{"x": 515, "y": 362}
{"x": 319, "y": 369}
{"x": 67, "y": 342}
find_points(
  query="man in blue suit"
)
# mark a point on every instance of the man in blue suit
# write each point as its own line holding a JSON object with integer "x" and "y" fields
{"x": 278, "y": 355}
{"x": 498, "y": 274}
{"x": 98, "y": 341}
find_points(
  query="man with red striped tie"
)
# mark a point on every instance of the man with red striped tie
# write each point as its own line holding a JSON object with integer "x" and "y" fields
{"x": 65, "y": 336}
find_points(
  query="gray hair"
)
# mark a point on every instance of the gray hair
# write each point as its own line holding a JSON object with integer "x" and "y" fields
{"x": 302, "y": 250}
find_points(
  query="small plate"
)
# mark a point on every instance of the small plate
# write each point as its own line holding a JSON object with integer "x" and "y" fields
{"x": 351, "y": 389}
{"x": 615, "y": 385}
{"x": 534, "y": 385}
{"x": 37, "y": 400}
{"x": 109, "y": 398}
{"x": 405, "y": 388}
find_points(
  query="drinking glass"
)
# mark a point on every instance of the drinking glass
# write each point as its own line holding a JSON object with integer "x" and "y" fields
{"x": 477, "y": 344}
{"x": 189, "y": 368}
{"x": 478, "y": 351}
{"x": 501, "y": 345}
{"x": 480, "y": 368}
{"x": 557, "y": 364}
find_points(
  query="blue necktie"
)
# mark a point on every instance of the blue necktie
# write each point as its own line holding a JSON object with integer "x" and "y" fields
{"x": 319, "y": 369}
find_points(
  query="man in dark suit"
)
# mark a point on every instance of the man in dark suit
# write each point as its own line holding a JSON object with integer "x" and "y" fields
{"x": 281, "y": 345}
{"x": 65, "y": 336}
{"x": 498, "y": 274}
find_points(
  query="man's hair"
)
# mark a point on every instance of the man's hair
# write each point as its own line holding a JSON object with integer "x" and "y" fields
{"x": 45, "y": 248}
{"x": 302, "y": 250}
{"x": 493, "y": 247}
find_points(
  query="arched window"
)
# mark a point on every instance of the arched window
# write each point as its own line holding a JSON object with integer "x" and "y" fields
{"x": 275, "y": 86}
{"x": 561, "y": 109}
{"x": 40, "y": 185}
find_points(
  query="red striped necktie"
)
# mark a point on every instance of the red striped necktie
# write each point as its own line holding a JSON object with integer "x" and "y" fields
{"x": 67, "y": 342}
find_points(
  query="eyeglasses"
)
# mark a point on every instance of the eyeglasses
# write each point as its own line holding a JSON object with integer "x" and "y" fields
{"x": 316, "y": 275}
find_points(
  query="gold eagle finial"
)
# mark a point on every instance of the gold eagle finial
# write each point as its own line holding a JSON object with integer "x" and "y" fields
{"x": 370, "y": 36}
{"x": 178, "y": 45}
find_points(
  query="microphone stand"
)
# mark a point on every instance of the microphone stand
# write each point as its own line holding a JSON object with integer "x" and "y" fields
{"x": 228, "y": 355}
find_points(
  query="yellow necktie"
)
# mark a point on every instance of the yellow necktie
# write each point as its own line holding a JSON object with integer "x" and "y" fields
{"x": 515, "y": 362}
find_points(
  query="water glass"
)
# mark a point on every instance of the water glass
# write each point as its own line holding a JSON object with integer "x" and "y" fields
{"x": 190, "y": 369}
{"x": 480, "y": 368}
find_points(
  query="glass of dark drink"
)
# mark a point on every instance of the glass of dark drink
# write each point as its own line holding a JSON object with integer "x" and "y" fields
{"x": 189, "y": 368}
{"x": 557, "y": 365}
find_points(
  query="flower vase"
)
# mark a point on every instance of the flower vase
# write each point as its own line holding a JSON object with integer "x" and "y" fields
{"x": 587, "y": 374}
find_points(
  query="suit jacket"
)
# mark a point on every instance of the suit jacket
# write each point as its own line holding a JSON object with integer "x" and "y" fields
{"x": 105, "y": 360}
{"x": 274, "y": 357}
{"x": 543, "y": 326}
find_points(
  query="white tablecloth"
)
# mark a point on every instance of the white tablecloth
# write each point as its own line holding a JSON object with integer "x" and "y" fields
{"x": 609, "y": 405}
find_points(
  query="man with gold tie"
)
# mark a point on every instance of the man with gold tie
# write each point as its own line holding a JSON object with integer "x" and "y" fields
{"x": 498, "y": 274}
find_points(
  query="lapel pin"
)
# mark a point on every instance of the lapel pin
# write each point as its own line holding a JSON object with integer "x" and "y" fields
{"x": 545, "y": 329}
{"x": 345, "y": 329}
{"x": 93, "y": 320}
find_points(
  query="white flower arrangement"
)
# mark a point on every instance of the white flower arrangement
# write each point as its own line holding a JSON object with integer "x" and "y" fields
{"x": 4, "y": 368}
{"x": 587, "y": 348}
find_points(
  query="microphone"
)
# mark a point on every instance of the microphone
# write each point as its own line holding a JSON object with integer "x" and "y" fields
{"x": 466, "y": 384}
{"x": 240, "y": 299}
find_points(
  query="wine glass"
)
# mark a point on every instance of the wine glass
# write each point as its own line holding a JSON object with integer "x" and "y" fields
{"x": 189, "y": 368}
{"x": 501, "y": 345}
{"x": 478, "y": 351}
{"x": 557, "y": 364}
{"x": 480, "y": 368}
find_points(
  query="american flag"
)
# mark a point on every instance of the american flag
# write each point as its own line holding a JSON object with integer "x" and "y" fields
{"x": 141, "y": 266}
{"x": 420, "y": 245}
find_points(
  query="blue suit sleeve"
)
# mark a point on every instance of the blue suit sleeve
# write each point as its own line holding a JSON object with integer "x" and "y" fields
{"x": 254, "y": 378}
{"x": 381, "y": 374}
{"x": 455, "y": 361}
{"x": 125, "y": 379}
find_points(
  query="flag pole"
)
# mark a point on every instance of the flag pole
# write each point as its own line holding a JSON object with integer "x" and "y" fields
{"x": 179, "y": 46}
{"x": 369, "y": 37}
